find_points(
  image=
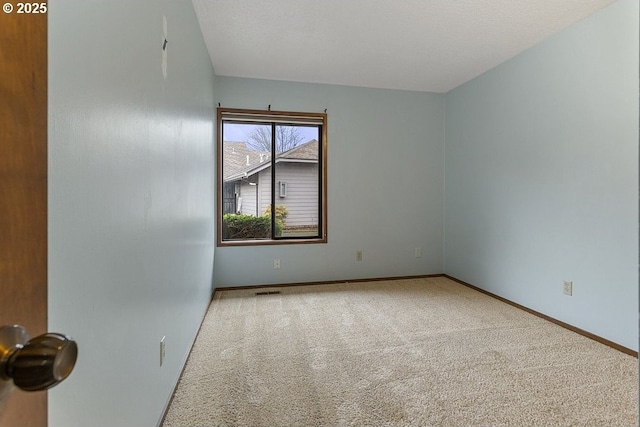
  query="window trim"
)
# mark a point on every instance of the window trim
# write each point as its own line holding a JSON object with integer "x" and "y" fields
{"x": 271, "y": 116}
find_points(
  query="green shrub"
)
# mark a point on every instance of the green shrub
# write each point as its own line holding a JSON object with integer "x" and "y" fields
{"x": 248, "y": 227}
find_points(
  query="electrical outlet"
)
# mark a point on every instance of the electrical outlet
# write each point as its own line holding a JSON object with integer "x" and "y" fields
{"x": 567, "y": 287}
{"x": 418, "y": 252}
{"x": 358, "y": 255}
{"x": 276, "y": 263}
{"x": 162, "y": 350}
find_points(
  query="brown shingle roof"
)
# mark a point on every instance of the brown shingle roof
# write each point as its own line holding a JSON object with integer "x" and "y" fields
{"x": 235, "y": 158}
{"x": 236, "y": 163}
{"x": 306, "y": 151}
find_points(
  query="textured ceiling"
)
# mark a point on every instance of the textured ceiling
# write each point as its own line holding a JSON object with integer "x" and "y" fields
{"x": 421, "y": 45}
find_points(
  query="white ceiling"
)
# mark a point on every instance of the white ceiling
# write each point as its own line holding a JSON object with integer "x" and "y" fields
{"x": 421, "y": 45}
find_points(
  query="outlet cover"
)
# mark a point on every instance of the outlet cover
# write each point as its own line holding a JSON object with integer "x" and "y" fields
{"x": 358, "y": 255}
{"x": 567, "y": 287}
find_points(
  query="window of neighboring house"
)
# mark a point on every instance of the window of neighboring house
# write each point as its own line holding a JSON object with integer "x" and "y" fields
{"x": 271, "y": 161}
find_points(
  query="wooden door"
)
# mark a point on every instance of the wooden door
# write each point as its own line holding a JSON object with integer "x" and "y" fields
{"x": 23, "y": 191}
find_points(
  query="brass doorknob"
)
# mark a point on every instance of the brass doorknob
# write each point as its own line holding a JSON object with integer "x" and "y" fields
{"x": 37, "y": 364}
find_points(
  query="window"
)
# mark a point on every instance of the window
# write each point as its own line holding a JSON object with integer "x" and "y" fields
{"x": 272, "y": 180}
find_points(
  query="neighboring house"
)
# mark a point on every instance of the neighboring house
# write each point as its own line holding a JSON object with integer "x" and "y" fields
{"x": 247, "y": 182}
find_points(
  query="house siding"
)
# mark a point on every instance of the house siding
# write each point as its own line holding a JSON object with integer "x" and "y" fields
{"x": 302, "y": 193}
{"x": 248, "y": 195}
{"x": 264, "y": 183}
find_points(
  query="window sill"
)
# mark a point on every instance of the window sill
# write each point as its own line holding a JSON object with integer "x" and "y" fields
{"x": 269, "y": 242}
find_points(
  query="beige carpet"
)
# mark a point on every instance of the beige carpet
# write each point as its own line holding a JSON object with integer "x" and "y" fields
{"x": 418, "y": 352}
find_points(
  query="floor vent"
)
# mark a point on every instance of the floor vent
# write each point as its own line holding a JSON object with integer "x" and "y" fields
{"x": 268, "y": 293}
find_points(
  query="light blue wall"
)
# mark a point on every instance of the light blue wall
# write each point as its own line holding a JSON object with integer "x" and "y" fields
{"x": 131, "y": 213}
{"x": 542, "y": 176}
{"x": 385, "y": 171}
{"x": 541, "y": 181}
